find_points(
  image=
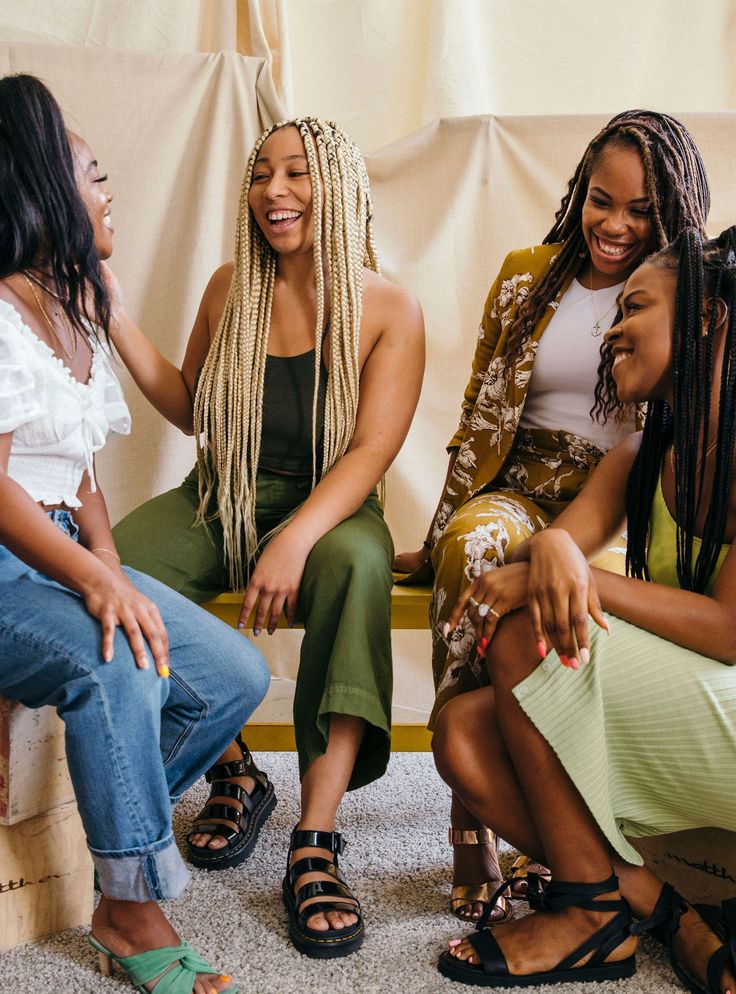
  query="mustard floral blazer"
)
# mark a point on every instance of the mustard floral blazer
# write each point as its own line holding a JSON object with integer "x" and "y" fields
{"x": 492, "y": 406}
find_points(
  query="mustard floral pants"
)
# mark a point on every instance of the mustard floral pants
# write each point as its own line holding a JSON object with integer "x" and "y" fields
{"x": 545, "y": 470}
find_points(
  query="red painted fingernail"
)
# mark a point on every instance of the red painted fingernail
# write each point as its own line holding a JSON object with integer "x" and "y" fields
{"x": 484, "y": 643}
{"x": 564, "y": 660}
{"x": 542, "y": 650}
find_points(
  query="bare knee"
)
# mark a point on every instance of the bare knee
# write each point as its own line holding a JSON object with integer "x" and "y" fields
{"x": 511, "y": 655}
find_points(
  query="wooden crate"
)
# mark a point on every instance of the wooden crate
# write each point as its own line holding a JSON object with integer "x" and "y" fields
{"x": 700, "y": 863}
{"x": 46, "y": 877}
{"x": 33, "y": 771}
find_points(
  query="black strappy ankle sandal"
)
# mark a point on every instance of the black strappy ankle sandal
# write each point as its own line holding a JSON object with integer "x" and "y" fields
{"x": 332, "y": 942}
{"x": 665, "y": 922}
{"x": 493, "y": 971}
{"x": 256, "y": 807}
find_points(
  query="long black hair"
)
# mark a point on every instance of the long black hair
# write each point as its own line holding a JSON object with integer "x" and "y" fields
{"x": 43, "y": 221}
{"x": 706, "y": 274}
{"x": 677, "y": 187}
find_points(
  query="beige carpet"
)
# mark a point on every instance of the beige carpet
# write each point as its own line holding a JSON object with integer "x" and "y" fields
{"x": 397, "y": 862}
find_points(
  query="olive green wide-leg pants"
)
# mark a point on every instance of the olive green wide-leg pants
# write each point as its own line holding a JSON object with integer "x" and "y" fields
{"x": 344, "y": 604}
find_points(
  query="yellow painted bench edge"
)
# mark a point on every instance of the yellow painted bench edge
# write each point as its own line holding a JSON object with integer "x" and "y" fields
{"x": 409, "y": 611}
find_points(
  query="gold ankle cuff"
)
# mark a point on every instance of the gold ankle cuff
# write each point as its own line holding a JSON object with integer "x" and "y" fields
{"x": 471, "y": 837}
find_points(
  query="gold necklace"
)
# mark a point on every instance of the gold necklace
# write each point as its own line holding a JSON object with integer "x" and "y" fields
{"x": 49, "y": 322}
{"x": 708, "y": 451}
{"x": 597, "y": 330}
{"x": 44, "y": 286}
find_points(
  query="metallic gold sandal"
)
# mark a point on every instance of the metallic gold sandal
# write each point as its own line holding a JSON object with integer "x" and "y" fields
{"x": 520, "y": 870}
{"x": 497, "y": 909}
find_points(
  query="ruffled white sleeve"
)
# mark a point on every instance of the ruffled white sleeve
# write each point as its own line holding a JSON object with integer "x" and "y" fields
{"x": 18, "y": 401}
{"x": 116, "y": 410}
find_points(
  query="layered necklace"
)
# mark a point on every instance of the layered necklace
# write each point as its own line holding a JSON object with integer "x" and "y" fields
{"x": 59, "y": 313}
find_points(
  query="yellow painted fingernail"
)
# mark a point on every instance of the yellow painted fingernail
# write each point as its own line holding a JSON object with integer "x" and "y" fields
{"x": 224, "y": 976}
{"x": 164, "y": 670}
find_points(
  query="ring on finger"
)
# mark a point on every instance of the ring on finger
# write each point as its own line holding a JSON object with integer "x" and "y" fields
{"x": 474, "y": 603}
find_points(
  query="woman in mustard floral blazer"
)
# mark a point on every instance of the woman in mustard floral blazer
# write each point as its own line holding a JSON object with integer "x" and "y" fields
{"x": 527, "y": 440}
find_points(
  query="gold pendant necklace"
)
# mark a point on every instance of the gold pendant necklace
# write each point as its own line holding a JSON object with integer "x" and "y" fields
{"x": 70, "y": 328}
{"x": 597, "y": 330}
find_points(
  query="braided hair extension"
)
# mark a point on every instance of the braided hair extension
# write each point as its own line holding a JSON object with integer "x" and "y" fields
{"x": 229, "y": 401}
{"x": 706, "y": 273}
{"x": 676, "y": 185}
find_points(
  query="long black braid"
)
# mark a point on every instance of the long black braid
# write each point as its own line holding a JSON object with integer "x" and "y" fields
{"x": 676, "y": 186}
{"x": 706, "y": 273}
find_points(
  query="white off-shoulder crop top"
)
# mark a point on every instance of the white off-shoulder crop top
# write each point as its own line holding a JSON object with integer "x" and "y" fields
{"x": 57, "y": 422}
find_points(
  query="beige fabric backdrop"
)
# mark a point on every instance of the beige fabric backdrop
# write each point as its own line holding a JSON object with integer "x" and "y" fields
{"x": 174, "y": 127}
{"x": 385, "y": 68}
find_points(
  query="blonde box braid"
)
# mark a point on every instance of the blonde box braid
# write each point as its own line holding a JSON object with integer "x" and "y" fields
{"x": 676, "y": 185}
{"x": 229, "y": 401}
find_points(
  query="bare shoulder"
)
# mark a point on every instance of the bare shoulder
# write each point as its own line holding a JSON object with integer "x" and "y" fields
{"x": 619, "y": 459}
{"x": 215, "y": 295}
{"x": 387, "y": 306}
{"x": 219, "y": 283}
{"x": 628, "y": 448}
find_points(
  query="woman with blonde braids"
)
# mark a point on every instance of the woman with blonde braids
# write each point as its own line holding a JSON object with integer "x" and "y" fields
{"x": 527, "y": 440}
{"x": 305, "y": 365}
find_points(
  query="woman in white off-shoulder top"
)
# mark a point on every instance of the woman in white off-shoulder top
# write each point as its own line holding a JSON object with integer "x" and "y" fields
{"x": 78, "y": 631}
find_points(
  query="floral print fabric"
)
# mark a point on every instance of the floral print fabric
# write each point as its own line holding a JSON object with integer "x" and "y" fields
{"x": 544, "y": 471}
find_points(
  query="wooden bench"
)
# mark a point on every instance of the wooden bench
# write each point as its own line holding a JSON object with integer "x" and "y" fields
{"x": 45, "y": 868}
{"x": 409, "y": 611}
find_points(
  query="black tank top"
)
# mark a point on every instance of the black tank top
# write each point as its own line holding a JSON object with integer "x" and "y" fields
{"x": 286, "y": 432}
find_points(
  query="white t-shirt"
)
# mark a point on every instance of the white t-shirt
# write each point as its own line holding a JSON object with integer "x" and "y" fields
{"x": 565, "y": 369}
{"x": 57, "y": 422}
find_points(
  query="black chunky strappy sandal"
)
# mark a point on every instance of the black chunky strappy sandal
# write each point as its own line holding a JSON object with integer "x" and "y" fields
{"x": 256, "y": 807}
{"x": 493, "y": 971}
{"x": 332, "y": 942}
{"x": 665, "y": 921}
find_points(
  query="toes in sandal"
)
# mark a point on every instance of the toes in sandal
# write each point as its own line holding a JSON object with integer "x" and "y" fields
{"x": 493, "y": 971}
{"x": 247, "y": 820}
{"x": 521, "y": 870}
{"x": 175, "y": 966}
{"x": 722, "y": 921}
{"x": 665, "y": 921}
{"x": 497, "y": 910}
{"x": 331, "y": 942}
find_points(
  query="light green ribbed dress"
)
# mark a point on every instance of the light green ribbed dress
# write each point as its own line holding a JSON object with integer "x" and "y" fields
{"x": 646, "y": 731}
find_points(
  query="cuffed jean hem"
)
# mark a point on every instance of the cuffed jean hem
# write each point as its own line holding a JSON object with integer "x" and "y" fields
{"x": 143, "y": 876}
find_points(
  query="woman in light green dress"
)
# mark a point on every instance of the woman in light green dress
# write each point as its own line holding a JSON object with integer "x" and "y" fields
{"x": 627, "y": 726}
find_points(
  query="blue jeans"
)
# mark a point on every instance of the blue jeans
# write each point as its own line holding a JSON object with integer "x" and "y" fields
{"x": 134, "y": 741}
